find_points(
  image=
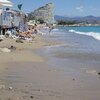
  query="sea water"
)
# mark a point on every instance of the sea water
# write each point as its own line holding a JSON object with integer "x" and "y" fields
{"x": 77, "y": 46}
{"x": 93, "y": 31}
{"x": 81, "y": 39}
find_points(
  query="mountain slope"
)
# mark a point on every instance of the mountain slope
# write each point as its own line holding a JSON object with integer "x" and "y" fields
{"x": 57, "y": 17}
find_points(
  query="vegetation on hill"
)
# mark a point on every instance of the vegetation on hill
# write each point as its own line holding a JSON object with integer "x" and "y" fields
{"x": 66, "y": 22}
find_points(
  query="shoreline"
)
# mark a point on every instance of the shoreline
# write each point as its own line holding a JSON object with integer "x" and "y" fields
{"x": 32, "y": 72}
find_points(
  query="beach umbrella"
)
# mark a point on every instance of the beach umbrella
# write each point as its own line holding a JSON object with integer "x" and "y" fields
{"x": 3, "y": 4}
{"x": 6, "y": 3}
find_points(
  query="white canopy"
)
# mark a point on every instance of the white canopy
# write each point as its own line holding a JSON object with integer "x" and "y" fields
{"x": 6, "y": 3}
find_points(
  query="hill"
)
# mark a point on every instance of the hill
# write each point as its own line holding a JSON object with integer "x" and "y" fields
{"x": 86, "y": 19}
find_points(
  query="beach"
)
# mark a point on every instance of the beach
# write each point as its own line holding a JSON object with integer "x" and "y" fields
{"x": 43, "y": 70}
{"x": 48, "y": 52}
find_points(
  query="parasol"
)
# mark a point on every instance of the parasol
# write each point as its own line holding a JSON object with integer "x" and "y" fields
{"x": 6, "y": 3}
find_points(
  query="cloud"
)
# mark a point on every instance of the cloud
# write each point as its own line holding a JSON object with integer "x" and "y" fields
{"x": 81, "y": 8}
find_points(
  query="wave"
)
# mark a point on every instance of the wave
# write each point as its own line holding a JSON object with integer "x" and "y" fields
{"x": 95, "y": 35}
{"x": 55, "y": 29}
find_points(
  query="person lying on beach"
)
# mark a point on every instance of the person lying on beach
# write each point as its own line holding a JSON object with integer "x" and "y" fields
{"x": 27, "y": 35}
{"x": 20, "y": 34}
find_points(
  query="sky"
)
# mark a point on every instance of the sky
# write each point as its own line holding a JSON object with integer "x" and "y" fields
{"x": 63, "y": 7}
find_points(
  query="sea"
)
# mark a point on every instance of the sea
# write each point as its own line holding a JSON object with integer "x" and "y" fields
{"x": 77, "y": 47}
{"x": 85, "y": 38}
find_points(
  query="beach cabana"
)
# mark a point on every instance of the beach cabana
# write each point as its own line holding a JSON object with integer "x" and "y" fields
{"x": 3, "y": 3}
{"x": 11, "y": 18}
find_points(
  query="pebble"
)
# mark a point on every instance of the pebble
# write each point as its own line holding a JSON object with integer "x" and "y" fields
{"x": 5, "y": 50}
{"x": 12, "y": 47}
{"x": 2, "y": 86}
{"x": 8, "y": 99}
{"x": 31, "y": 97}
{"x": 1, "y": 40}
{"x": 73, "y": 79}
{"x": 99, "y": 73}
{"x": 18, "y": 98}
{"x": 19, "y": 41}
{"x": 10, "y": 88}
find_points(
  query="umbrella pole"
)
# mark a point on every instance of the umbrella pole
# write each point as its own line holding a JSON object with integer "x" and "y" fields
{"x": 1, "y": 26}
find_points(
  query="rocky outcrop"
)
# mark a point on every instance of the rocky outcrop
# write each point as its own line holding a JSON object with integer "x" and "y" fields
{"x": 45, "y": 13}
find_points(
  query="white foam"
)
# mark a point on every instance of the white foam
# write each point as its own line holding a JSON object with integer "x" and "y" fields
{"x": 55, "y": 29}
{"x": 93, "y": 34}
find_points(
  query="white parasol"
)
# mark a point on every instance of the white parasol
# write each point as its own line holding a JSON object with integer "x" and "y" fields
{"x": 6, "y": 3}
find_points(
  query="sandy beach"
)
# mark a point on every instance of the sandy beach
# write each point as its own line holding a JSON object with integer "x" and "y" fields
{"x": 21, "y": 53}
{"x": 24, "y": 56}
{"x": 25, "y": 73}
{"x": 48, "y": 52}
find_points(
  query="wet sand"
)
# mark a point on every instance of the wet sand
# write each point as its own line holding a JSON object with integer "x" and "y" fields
{"x": 29, "y": 75}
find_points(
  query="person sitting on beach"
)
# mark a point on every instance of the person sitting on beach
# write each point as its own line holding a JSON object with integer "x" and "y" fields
{"x": 28, "y": 33}
{"x": 17, "y": 32}
{"x": 20, "y": 34}
{"x": 34, "y": 29}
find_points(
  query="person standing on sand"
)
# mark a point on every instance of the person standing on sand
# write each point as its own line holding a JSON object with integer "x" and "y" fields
{"x": 35, "y": 29}
{"x": 51, "y": 27}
